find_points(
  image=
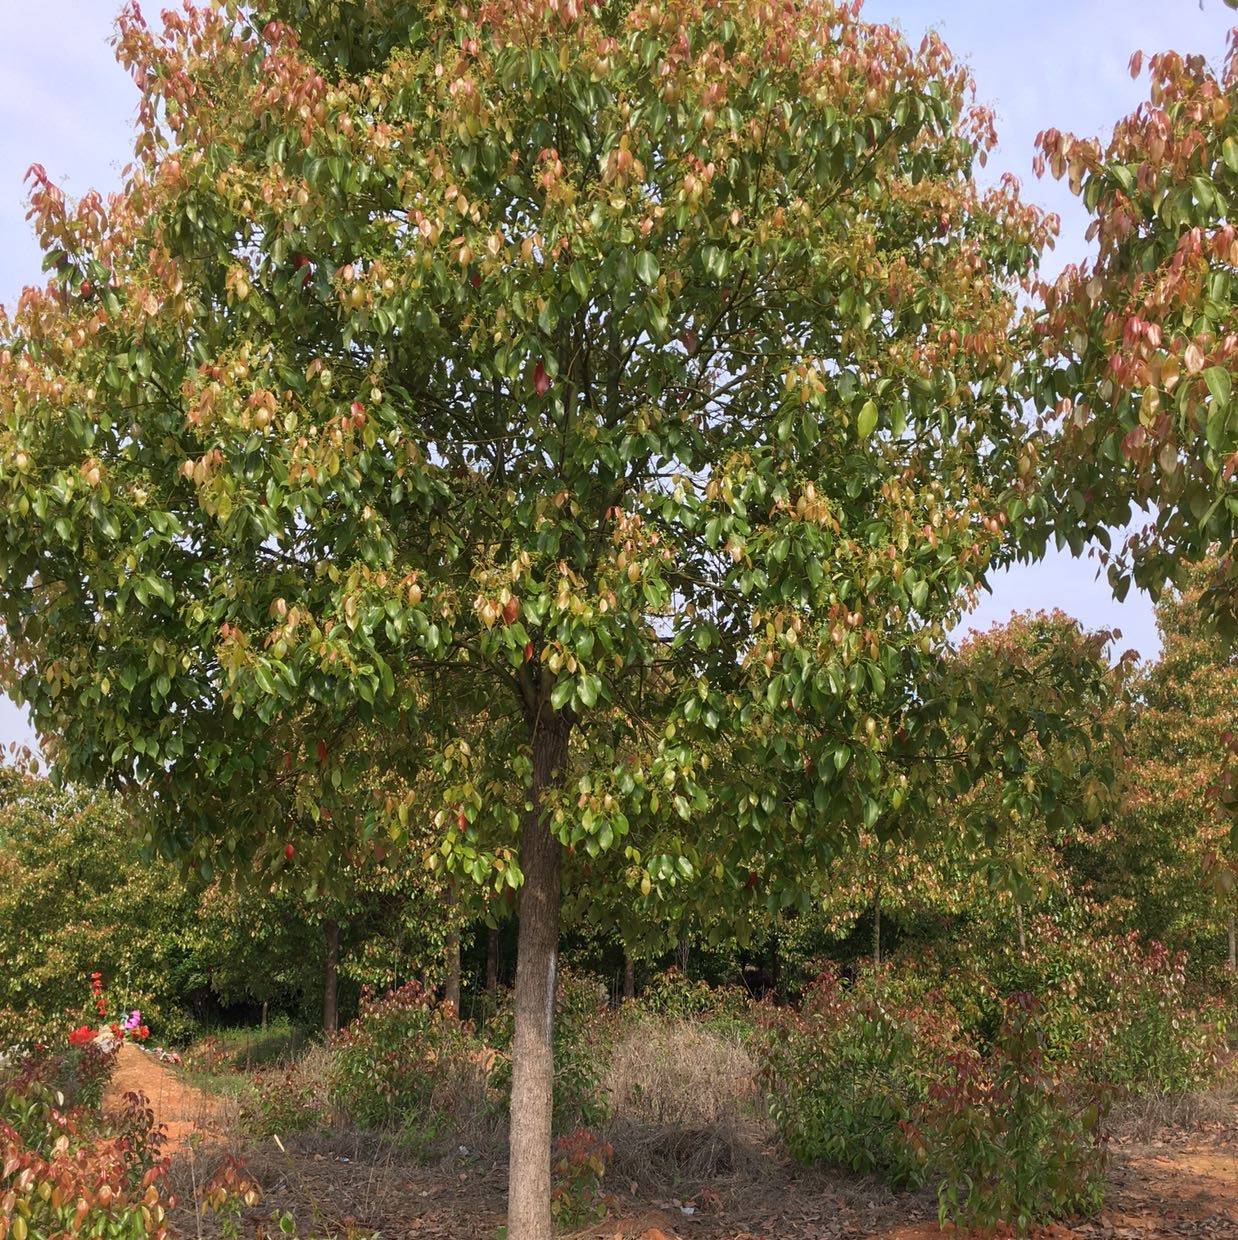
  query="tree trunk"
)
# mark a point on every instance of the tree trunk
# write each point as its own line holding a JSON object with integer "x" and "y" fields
{"x": 266, "y": 1003}
{"x": 1232, "y": 962}
{"x": 451, "y": 988}
{"x": 330, "y": 980}
{"x": 492, "y": 964}
{"x": 528, "y": 1192}
{"x": 1018, "y": 918}
{"x": 629, "y": 977}
{"x": 684, "y": 954}
{"x": 877, "y": 927}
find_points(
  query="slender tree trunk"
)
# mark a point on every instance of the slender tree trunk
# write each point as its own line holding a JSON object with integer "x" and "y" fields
{"x": 528, "y": 1194}
{"x": 266, "y": 1003}
{"x": 330, "y": 981}
{"x": 492, "y": 964}
{"x": 684, "y": 953}
{"x": 1018, "y": 921}
{"x": 1232, "y": 962}
{"x": 451, "y": 988}
{"x": 629, "y": 977}
{"x": 877, "y": 926}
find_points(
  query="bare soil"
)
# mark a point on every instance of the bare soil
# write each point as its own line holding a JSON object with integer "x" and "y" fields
{"x": 1180, "y": 1181}
{"x": 179, "y": 1107}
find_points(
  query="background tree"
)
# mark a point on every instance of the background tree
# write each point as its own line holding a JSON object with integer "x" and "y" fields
{"x": 1167, "y": 864}
{"x": 75, "y": 898}
{"x": 1039, "y": 696}
{"x": 565, "y": 396}
{"x": 1140, "y": 342}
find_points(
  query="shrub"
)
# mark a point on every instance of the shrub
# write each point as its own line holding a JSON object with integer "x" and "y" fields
{"x": 64, "y": 1172}
{"x": 1151, "y": 1037}
{"x": 579, "y": 1166}
{"x": 294, "y": 1099}
{"x": 727, "y": 1009}
{"x": 1118, "y": 1008}
{"x": 281, "y": 1104}
{"x": 409, "y": 1063}
{"x": 1008, "y": 1141}
{"x": 846, "y": 1072}
{"x": 584, "y": 1033}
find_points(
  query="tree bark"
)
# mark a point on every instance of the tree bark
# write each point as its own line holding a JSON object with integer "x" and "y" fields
{"x": 451, "y": 988}
{"x": 492, "y": 964}
{"x": 1018, "y": 918}
{"x": 629, "y": 977}
{"x": 330, "y": 981}
{"x": 528, "y": 1193}
{"x": 1232, "y": 962}
{"x": 877, "y": 927}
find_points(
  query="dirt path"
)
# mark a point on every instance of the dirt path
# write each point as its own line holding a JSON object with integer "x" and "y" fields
{"x": 181, "y": 1108}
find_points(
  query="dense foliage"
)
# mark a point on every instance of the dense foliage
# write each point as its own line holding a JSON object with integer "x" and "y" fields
{"x": 1139, "y": 344}
{"x": 528, "y": 458}
{"x": 74, "y": 900}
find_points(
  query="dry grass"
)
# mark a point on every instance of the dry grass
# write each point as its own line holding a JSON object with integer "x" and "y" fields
{"x": 1145, "y": 1119}
{"x": 685, "y": 1105}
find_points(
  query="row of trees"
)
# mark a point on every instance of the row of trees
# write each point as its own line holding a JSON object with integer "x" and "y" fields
{"x": 554, "y": 439}
{"x": 1144, "y": 848}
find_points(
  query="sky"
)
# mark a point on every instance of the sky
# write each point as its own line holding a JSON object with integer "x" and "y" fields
{"x": 66, "y": 104}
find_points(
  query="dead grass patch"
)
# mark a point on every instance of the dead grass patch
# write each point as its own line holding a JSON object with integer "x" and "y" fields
{"x": 1145, "y": 1119}
{"x": 685, "y": 1105}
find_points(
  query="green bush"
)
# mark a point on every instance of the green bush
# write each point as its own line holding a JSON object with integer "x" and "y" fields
{"x": 728, "y": 1010}
{"x": 281, "y": 1104}
{"x": 585, "y": 1031}
{"x": 406, "y": 1062}
{"x": 845, "y": 1073}
{"x": 1117, "y": 1008}
{"x": 1153, "y": 1036}
{"x": 579, "y": 1167}
{"x": 1009, "y": 1142}
{"x": 63, "y": 1170}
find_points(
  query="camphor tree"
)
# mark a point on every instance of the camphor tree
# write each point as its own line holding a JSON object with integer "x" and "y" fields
{"x": 75, "y": 898}
{"x": 1039, "y": 697}
{"x": 1170, "y": 858}
{"x": 1058, "y": 711}
{"x": 628, "y": 381}
{"x": 1139, "y": 346}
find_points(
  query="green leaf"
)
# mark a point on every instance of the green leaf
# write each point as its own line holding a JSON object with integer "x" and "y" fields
{"x": 579, "y": 275}
{"x": 647, "y": 267}
{"x": 587, "y": 689}
{"x": 1220, "y": 384}
{"x": 866, "y": 423}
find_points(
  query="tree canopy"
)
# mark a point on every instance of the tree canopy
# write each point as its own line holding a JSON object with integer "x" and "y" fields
{"x": 575, "y": 426}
